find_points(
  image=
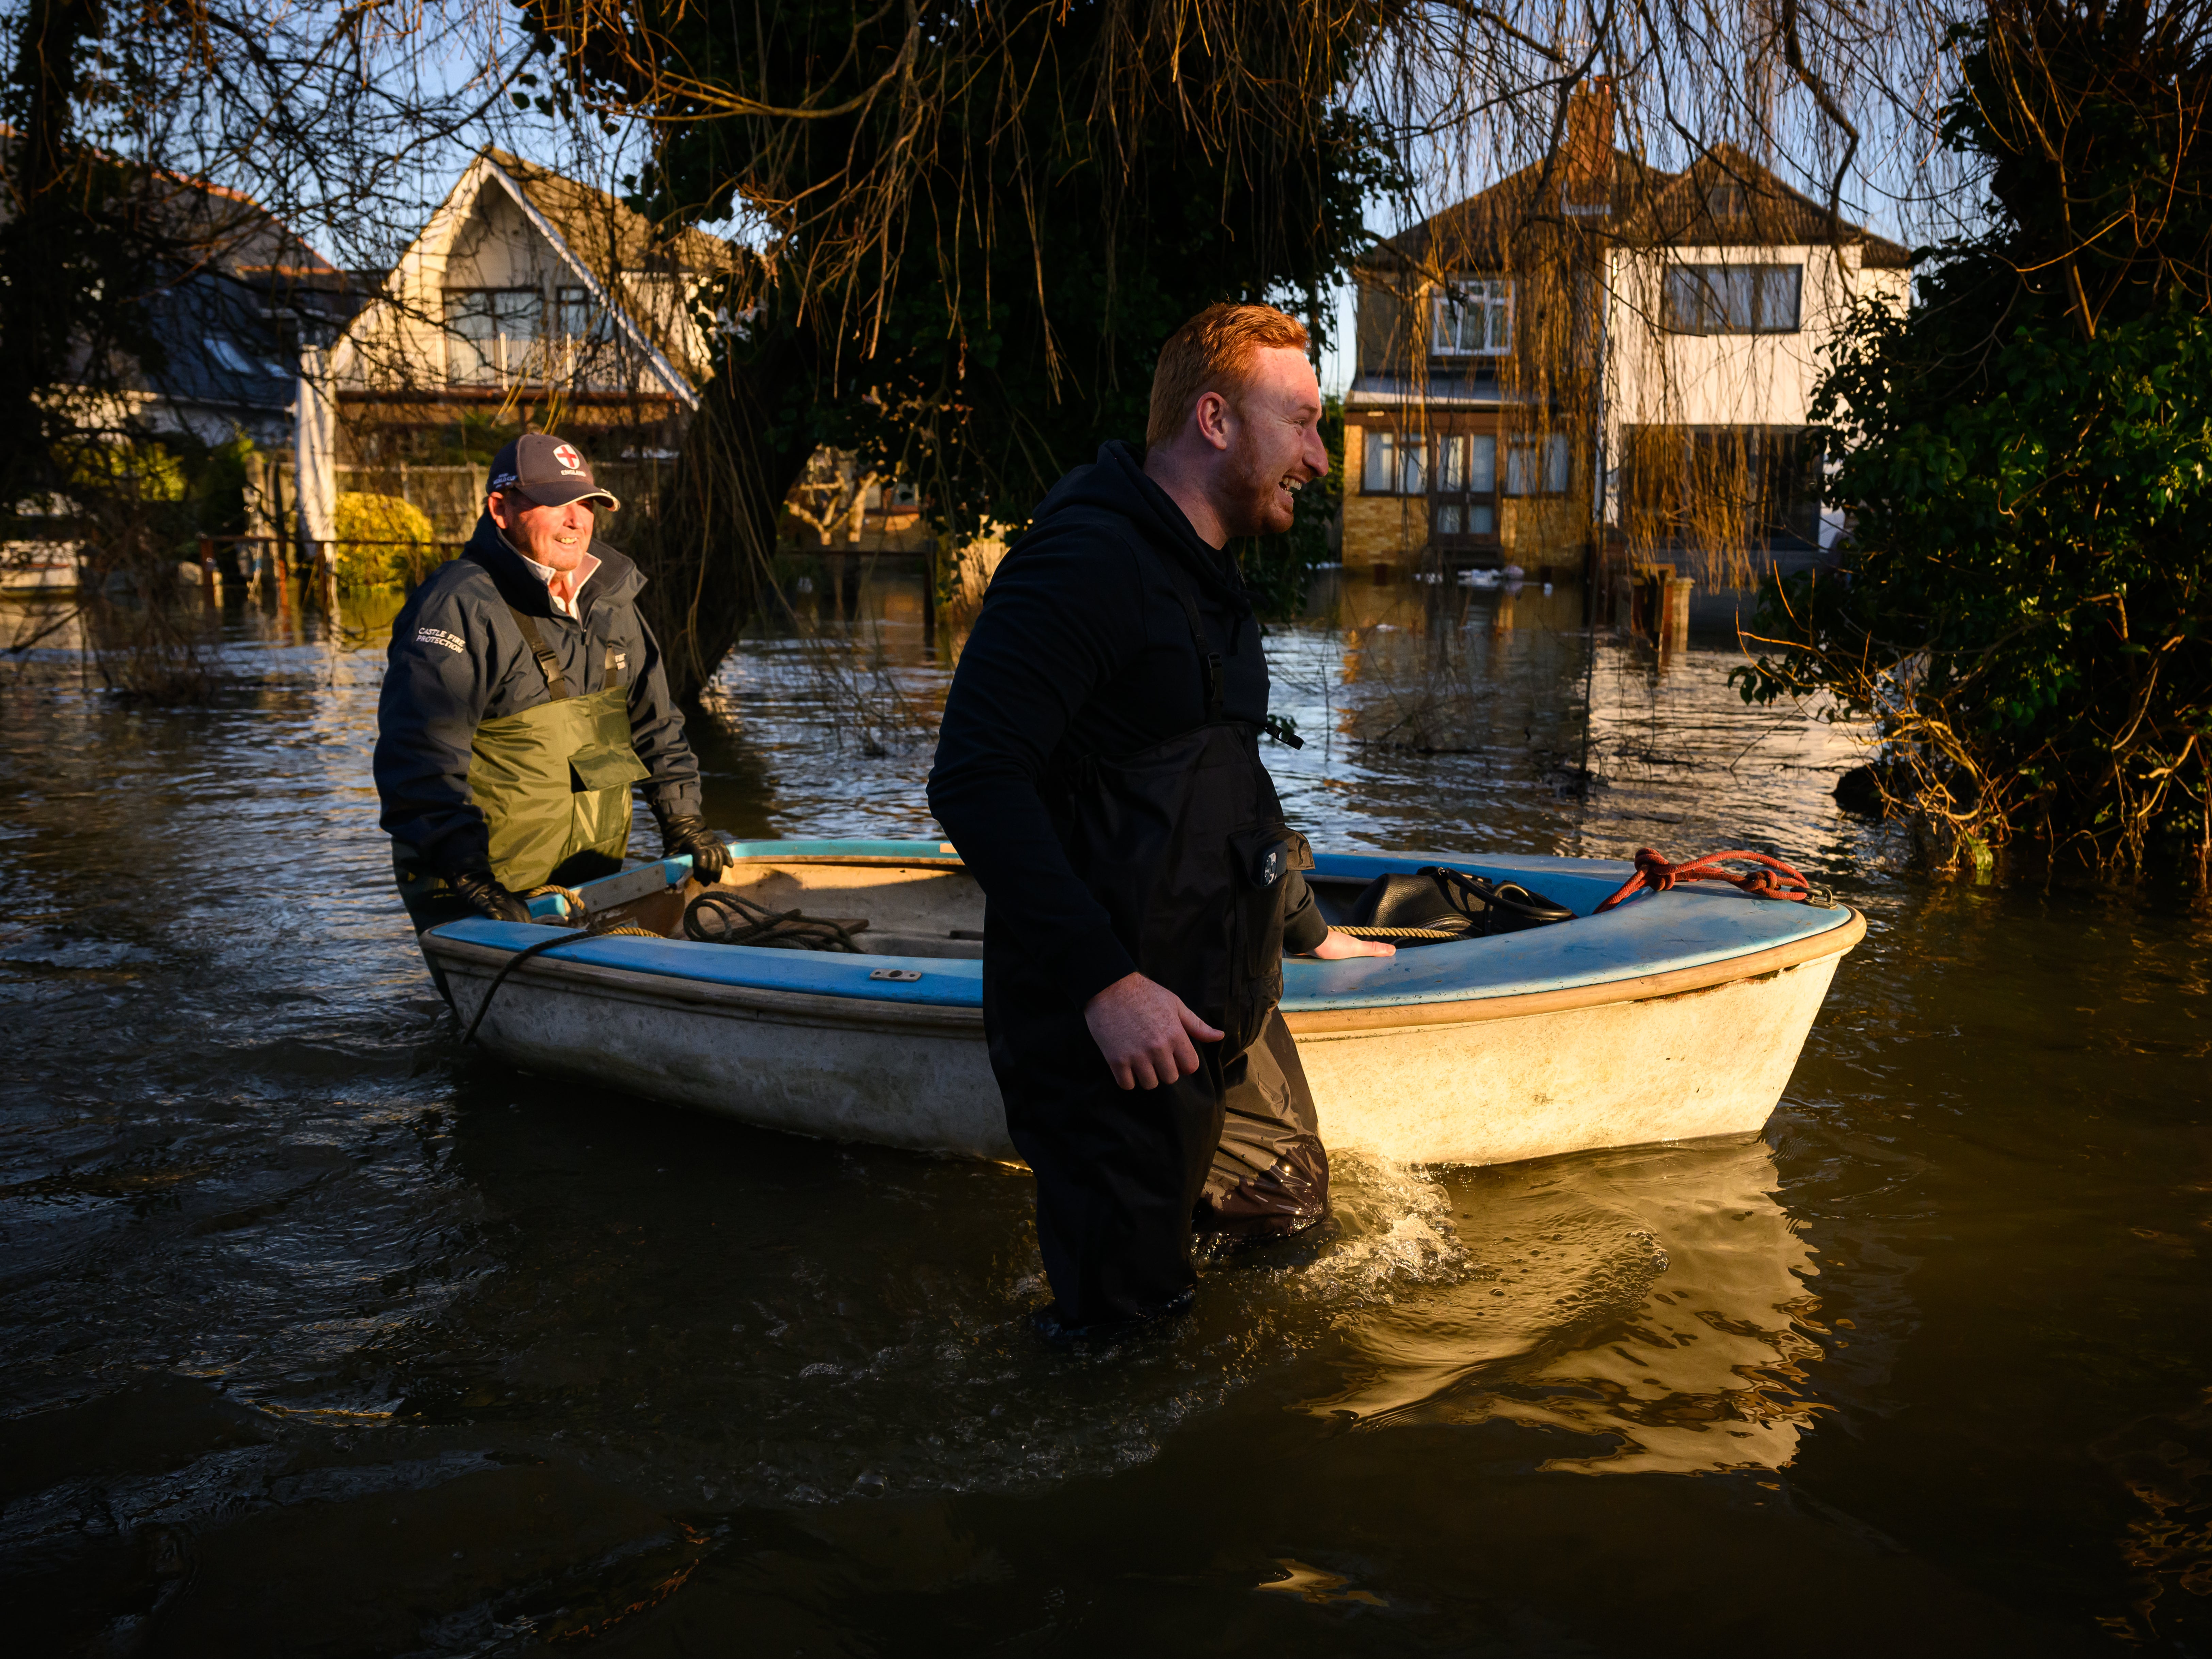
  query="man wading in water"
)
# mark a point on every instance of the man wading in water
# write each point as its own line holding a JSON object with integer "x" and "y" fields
{"x": 1098, "y": 768}
{"x": 522, "y": 697}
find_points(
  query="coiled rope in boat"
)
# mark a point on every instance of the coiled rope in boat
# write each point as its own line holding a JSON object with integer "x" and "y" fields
{"x": 575, "y": 901}
{"x": 1397, "y": 933}
{"x": 722, "y": 918}
{"x": 1769, "y": 878}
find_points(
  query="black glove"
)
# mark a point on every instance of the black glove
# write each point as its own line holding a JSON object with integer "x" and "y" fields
{"x": 681, "y": 833}
{"x": 481, "y": 889}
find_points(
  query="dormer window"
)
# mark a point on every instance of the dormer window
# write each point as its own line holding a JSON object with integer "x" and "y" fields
{"x": 1473, "y": 317}
{"x": 1725, "y": 199}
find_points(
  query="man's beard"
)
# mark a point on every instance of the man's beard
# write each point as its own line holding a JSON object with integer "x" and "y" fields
{"x": 1251, "y": 508}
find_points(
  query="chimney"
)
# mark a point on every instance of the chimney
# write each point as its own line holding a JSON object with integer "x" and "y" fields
{"x": 1586, "y": 186}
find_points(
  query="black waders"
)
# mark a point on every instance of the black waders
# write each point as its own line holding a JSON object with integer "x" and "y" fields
{"x": 1185, "y": 846}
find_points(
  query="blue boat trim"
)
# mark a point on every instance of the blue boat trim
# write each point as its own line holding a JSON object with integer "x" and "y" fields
{"x": 943, "y": 982}
{"x": 1692, "y": 926}
{"x": 928, "y": 852}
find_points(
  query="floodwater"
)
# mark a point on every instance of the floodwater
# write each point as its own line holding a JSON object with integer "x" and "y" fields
{"x": 324, "y": 1336}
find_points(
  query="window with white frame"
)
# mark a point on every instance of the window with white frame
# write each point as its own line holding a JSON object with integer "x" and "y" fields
{"x": 1734, "y": 299}
{"x": 1473, "y": 317}
{"x": 491, "y": 332}
{"x": 1537, "y": 467}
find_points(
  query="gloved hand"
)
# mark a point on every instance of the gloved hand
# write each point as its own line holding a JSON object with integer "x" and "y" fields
{"x": 481, "y": 889}
{"x": 682, "y": 832}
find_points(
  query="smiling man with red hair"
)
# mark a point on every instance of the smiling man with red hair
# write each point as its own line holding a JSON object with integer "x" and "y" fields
{"x": 1098, "y": 768}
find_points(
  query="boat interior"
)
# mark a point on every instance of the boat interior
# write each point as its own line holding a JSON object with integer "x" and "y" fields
{"x": 887, "y": 909}
{"x": 898, "y": 910}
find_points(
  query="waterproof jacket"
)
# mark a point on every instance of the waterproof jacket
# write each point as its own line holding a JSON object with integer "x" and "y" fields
{"x": 1083, "y": 648}
{"x": 457, "y": 658}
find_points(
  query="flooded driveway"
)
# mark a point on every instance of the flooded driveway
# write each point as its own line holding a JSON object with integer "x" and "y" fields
{"x": 324, "y": 1335}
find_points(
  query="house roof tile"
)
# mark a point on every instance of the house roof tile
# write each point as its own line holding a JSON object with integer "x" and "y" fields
{"x": 1649, "y": 207}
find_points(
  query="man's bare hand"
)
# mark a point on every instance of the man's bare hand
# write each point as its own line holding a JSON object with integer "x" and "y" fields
{"x": 1146, "y": 1033}
{"x": 1339, "y": 944}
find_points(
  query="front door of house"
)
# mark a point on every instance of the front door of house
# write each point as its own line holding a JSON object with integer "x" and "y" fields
{"x": 1464, "y": 497}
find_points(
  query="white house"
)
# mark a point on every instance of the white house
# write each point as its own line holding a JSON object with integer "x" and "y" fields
{"x": 1599, "y": 361}
{"x": 528, "y": 299}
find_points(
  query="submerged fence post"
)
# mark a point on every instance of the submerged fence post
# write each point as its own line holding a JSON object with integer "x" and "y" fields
{"x": 1674, "y": 622}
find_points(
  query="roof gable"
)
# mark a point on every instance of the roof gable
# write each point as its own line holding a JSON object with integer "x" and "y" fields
{"x": 604, "y": 232}
{"x": 1727, "y": 199}
{"x": 1649, "y": 207}
{"x": 1478, "y": 232}
{"x": 638, "y": 279}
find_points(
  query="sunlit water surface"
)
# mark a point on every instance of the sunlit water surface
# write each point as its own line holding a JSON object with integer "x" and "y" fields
{"x": 324, "y": 1335}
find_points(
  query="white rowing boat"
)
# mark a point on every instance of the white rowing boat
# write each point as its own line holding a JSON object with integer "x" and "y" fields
{"x": 1676, "y": 1017}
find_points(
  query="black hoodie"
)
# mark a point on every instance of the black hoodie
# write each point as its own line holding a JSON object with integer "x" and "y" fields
{"x": 458, "y": 659}
{"x": 1083, "y": 647}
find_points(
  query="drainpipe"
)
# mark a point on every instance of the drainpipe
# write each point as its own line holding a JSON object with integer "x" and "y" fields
{"x": 315, "y": 435}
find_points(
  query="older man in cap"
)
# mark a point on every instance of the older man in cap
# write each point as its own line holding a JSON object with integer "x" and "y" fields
{"x": 523, "y": 698}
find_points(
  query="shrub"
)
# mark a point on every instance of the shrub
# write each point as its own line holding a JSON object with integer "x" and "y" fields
{"x": 381, "y": 539}
{"x": 2027, "y": 616}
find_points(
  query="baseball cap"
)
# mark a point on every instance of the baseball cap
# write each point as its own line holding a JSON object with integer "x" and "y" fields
{"x": 550, "y": 471}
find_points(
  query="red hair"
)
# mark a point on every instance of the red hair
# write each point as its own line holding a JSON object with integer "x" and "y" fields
{"x": 1214, "y": 352}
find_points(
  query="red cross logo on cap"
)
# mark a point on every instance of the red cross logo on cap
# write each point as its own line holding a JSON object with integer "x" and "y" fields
{"x": 567, "y": 455}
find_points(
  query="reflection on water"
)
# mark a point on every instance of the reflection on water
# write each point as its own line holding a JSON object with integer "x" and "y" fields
{"x": 1426, "y": 724}
{"x": 322, "y": 1330}
{"x": 1652, "y": 1298}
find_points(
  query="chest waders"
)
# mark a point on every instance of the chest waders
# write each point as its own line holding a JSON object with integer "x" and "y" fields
{"x": 554, "y": 782}
{"x": 1184, "y": 845}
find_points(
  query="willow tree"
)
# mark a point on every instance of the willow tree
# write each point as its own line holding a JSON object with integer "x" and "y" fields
{"x": 975, "y": 224}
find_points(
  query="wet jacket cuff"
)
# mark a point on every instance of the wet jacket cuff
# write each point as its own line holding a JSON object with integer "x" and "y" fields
{"x": 466, "y": 849}
{"x": 1305, "y": 929}
{"x": 676, "y": 801}
{"x": 1088, "y": 965}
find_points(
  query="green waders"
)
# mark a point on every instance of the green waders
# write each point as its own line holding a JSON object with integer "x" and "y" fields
{"x": 553, "y": 784}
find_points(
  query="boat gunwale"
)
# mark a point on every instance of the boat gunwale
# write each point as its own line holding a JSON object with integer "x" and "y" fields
{"x": 1373, "y": 1019}
{"x": 805, "y": 1007}
{"x": 918, "y": 861}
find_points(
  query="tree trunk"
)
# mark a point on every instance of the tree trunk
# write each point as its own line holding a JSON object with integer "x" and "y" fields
{"x": 708, "y": 553}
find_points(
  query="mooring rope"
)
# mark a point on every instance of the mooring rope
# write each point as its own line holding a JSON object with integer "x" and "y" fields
{"x": 575, "y": 901}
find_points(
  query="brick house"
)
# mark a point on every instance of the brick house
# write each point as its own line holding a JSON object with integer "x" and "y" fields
{"x": 1595, "y": 362}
